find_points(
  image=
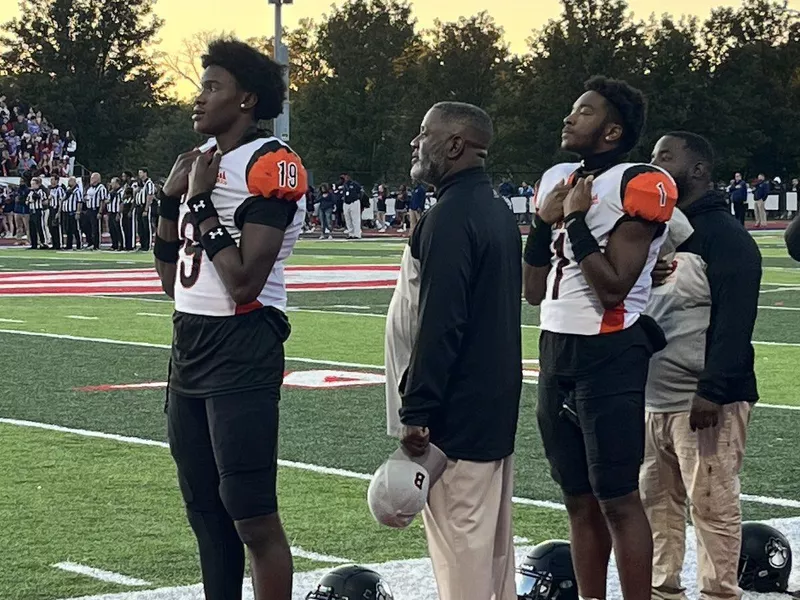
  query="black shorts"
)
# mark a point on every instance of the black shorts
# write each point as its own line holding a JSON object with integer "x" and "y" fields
{"x": 226, "y": 449}
{"x": 592, "y": 422}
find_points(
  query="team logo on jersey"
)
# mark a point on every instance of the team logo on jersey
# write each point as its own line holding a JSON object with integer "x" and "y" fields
{"x": 222, "y": 177}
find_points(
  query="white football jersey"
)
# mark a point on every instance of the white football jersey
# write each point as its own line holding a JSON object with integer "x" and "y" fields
{"x": 264, "y": 167}
{"x": 627, "y": 190}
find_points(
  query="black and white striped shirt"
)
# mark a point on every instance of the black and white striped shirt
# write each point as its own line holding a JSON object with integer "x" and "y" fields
{"x": 144, "y": 190}
{"x": 115, "y": 201}
{"x": 36, "y": 199}
{"x": 72, "y": 200}
{"x": 57, "y": 195}
{"x": 95, "y": 196}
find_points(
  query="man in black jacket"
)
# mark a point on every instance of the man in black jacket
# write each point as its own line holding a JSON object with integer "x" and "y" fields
{"x": 701, "y": 387}
{"x": 454, "y": 354}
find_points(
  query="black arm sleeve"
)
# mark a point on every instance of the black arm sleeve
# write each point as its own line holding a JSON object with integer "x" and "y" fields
{"x": 446, "y": 260}
{"x": 275, "y": 212}
{"x": 734, "y": 276}
{"x": 792, "y": 237}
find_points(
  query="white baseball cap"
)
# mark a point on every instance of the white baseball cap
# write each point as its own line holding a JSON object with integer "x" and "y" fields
{"x": 399, "y": 488}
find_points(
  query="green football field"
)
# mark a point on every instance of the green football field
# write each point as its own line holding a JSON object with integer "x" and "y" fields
{"x": 89, "y": 503}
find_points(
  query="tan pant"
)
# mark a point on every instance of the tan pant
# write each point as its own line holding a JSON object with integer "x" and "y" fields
{"x": 705, "y": 464}
{"x": 760, "y": 212}
{"x": 468, "y": 526}
{"x": 413, "y": 218}
{"x": 352, "y": 219}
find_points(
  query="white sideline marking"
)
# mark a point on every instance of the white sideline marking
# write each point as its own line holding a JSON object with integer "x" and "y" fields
{"x": 350, "y": 306}
{"x": 325, "y": 558}
{"x": 108, "y": 576}
{"x": 153, "y": 315}
{"x": 330, "y": 470}
{"x": 11, "y": 321}
{"x": 782, "y": 289}
{"x": 82, "y": 318}
{"x": 778, "y": 308}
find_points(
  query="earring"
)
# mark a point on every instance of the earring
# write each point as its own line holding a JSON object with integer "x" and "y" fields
{"x": 242, "y": 105}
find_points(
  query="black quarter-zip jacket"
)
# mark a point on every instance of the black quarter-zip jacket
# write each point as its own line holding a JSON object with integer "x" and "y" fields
{"x": 464, "y": 379}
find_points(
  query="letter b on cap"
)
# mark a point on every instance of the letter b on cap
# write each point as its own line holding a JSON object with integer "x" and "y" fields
{"x": 419, "y": 479}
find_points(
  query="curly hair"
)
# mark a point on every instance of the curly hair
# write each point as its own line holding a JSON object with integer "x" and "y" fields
{"x": 628, "y": 101}
{"x": 254, "y": 71}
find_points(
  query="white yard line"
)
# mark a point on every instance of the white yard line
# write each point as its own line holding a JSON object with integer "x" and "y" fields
{"x": 11, "y": 321}
{"x": 778, "y": 308}
{"x": 82, "y": 318}
{"x": 147, "y": 314}
{"x": 325, "y": 558}
{"x": 100, "y": 574}
{"x": 330, "y": 470}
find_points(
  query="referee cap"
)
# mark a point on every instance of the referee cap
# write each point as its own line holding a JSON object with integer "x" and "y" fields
{"x": 399, "y": 488}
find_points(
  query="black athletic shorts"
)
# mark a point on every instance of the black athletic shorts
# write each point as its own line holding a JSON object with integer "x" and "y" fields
{"x": 591, "y": 408}
{"x": 226, "y": 448}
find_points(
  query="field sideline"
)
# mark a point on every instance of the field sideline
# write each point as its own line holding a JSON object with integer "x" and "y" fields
{"x": 92, "y": 500}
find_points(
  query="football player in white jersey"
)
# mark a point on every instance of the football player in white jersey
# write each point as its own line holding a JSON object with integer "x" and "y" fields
{"x": 230, "y": 215}
{"x": 592, "y": 247}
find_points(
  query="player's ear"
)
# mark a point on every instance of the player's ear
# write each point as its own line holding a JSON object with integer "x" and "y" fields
{"x": 613, "y": 133}
{"x": 455, "y": 148}
{"x": 248, "y": 102}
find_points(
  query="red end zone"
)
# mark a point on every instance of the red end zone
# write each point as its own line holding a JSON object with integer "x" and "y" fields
{"x": 145, "y": 281}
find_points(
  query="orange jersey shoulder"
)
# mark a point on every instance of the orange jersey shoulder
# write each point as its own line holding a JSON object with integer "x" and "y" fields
{"x": 275, "y": 171}
{"x": 649, "y": 193}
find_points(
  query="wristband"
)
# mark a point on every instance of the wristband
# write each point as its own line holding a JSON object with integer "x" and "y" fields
{"x": 168, "y": 206}
{"x": 215, "y": 240}
{"x": 201, "y": 207}
{"x": 166, "y": 251}
{"x": 537, "y": 248}
{"x": 581, "y": 238}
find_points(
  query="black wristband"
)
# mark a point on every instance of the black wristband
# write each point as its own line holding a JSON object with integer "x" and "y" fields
{"x": 169, "y": 207}
{"x": 215, "y": 240}
{"x": 537, "y": 248}
{"x": 166, "y": 251}
{"x": 580, "y": 237}
{"x": 201, "y": 207}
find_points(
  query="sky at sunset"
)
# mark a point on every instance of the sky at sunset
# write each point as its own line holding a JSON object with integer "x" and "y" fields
{"x": 255, "y": 17}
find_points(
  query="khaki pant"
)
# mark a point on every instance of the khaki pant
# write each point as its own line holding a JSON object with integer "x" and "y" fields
{"x": 352, "y": 219}
{"x": 468, "y": 526}
{"x": 760, "y": 212}
{"x": 413, "y": 218}
{"x": 703, "y": 466}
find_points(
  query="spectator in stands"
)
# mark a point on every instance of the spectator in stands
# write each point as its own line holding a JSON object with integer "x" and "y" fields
{"x": 6, "y": 213}
{"x": 7, "y": 164}
{"x": 325, "y": 204}
{"x": 507, "y": 188}
{"x": 21, "y": 212}
{"x": 401, "y": 208}
{"x": 737, "y": 192}
{"x": 416, "y": 206}
{"x": 351, "y": 196}
{"x": 380, "y": 208}
{"x": 526, "y": 190}
{"x": 760, "y": 196}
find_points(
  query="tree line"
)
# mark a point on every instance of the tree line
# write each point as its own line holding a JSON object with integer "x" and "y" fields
{"x": 363, "y": 76}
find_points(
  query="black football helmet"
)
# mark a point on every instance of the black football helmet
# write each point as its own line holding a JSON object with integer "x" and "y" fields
{"x": 351, "y": 582}
{"x": 765, "y": 561}
{"x": 547, "y": 573}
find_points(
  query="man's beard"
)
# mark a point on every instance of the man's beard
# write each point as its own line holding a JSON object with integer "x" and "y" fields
{"x": 428, "y": 168}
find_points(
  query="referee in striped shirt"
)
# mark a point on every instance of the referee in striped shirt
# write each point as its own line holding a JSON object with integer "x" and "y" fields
{"x": 94, "y": 198}
{"x": 57, "y": 195}
{"x": 144, "y": 200}
{"x": 114, "y": 213}
{"x": 70, "y": 212}
{"x": 36, "y": 202}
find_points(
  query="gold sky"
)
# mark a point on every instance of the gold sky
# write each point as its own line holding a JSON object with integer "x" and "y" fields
{"x": 255, "y": 17}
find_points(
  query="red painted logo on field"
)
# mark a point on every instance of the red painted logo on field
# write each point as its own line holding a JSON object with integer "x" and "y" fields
{"x": 146, "y": 281}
